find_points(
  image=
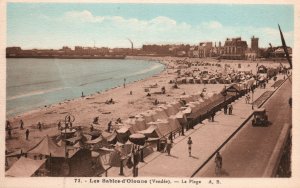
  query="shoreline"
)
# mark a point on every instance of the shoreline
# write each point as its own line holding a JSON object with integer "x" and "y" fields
{"x": 36, "y": 109}
{"x": 126, "y": 105}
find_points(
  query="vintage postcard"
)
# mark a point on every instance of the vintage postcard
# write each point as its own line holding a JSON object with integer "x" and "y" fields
{"x": 149, "y": 94}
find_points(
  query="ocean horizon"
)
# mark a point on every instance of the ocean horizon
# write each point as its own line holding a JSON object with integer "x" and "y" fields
{"x": 34, "y": 83}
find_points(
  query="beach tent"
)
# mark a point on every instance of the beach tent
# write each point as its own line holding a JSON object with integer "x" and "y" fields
{"x": 95, "y": 141}
{"x": 195, "y": 106}
{"x": 181, "y": 118}
{"x": 119, "y": 151}
{"x": 171, "y": 109}
{"x": 16, "y": 153}
{"x": 160, "y": 114}
{"x": 130, "y": 121}
{"x": 47, "y": 147}
{"x": 139, "y": 125}
{"x": 123, "y": 133}
{"x": 24, "y": 167}
{"x": 149, "y": 116}
{"x": 151, "y": 132}
{"x": 188, "y": 110}
{"x": 176, "y": 105}
{"x": 186, "y": 98}
{"x": 174, "y": 123}
{"x": 164, "y": 127}
{"x": 112, "y": 139}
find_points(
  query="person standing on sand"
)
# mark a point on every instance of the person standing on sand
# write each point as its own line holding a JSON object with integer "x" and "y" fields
{"x": 21, "y": 124}
{"x": 109, "y": 125}
{"x": 190, "y": 142}
{"x": 27, "y": 134}
{"x": 39, "y": 126}
{"x": 9, "y": 132}
{"x": 7, "y": 125}
{"x": 59, "y": 125}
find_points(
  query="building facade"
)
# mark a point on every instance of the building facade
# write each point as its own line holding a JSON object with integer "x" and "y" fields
{"x": 205, "y": 49}
{"x": 234, "y": 48}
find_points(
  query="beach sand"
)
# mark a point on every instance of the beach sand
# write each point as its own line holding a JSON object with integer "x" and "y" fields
{"x": 86, "y": 108}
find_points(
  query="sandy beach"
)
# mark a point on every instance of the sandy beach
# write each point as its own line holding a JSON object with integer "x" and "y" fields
{"x": 85, "y": 109}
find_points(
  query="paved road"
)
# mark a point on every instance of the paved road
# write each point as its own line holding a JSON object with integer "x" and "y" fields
{"x": 248, "y": 153}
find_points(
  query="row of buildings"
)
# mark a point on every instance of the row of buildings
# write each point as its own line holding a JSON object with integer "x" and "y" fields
{"x": 66, "y": 51}
{"x": 234, "y": 48}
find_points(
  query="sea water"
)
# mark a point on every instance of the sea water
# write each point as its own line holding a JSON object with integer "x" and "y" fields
{"x": 33, "y": 83}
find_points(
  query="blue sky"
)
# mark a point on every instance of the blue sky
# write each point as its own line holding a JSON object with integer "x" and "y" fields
{"x": 53, "y": 25}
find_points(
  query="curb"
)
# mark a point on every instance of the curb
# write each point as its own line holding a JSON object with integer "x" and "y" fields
{"x": 234, "y": 133}
{"x": 273, "y": 163}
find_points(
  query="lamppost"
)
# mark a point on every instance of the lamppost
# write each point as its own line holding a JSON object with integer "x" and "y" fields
{"x": 68, "y": 120}
{"x": 224, "y": 93}
{"x": 252, "y": 96}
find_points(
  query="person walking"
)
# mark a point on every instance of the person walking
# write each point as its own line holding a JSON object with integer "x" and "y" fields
{"x": 218, "y": 161}
{"x": 27, "y": 134}
{"x": 213, "y": 116}
{"x": 169, "y": 146}
{"x": 190, "y": 142}
{"x": 225, "y": 109}
{"x": 21, "y": 124}
{"x": 230, "y": 109}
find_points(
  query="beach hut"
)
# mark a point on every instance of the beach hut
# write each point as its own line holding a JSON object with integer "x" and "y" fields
{"x": 212, "y": 81}
{"x": 190, "y": 80}
{"x": 205, "y": 80}
{"x": 198, "y": 80}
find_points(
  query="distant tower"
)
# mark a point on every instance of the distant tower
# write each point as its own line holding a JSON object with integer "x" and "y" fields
{"x": 254, "y": 44}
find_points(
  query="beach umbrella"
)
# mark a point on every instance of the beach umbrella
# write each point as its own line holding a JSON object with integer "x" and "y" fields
{"x": 138, "y": 139}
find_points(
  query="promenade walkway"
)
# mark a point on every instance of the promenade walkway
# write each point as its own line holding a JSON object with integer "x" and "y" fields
{"x": 207, "y": 138}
